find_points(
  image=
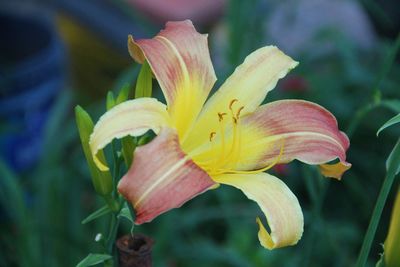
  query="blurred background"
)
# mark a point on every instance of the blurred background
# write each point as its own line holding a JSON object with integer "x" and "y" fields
{"x": 57, "y": 54}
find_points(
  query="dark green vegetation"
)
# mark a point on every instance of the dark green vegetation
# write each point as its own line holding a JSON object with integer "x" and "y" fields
{"x": 42, "y": 210}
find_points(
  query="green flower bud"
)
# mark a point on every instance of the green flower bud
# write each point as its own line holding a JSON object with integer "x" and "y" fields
{"x": 110, "y": 102}
{"x": 144, "y": 81}
{"x": 102, "y": 181}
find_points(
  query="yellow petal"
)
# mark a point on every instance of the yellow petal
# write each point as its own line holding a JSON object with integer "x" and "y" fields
{"x": 180, "y": 60}
{"x": 278, "y": 203}
{"x": 249, "y": 84}
{"x": 134, "y": 117}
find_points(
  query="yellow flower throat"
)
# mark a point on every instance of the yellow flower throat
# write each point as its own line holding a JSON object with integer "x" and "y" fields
{"x": 226, "y": 153}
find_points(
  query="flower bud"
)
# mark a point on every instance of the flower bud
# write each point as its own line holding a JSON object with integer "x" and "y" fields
{"x": 102, "y": 181}
{"x": 144, "y": 84}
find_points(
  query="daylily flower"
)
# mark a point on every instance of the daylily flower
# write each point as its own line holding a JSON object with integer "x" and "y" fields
{"x": 228, "y": 139}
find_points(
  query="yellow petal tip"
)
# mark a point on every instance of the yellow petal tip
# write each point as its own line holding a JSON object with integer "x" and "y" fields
{"x": 102, "y": 167}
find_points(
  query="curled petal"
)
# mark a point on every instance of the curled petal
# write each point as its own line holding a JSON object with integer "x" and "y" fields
{"x": 161, "y": 178}
{"x": 249, "y": 84}
{"x": 278, "y": 203}
{"x": 334, "y": 170}
{"x": 134, "y": 117}
{"x": 305, "y": 131}
{"x": 180, "y": 60}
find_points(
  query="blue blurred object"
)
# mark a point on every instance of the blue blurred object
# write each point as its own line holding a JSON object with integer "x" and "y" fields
{"x": 32, "y": 72}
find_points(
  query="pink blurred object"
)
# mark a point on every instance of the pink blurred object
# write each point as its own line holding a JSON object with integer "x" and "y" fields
{"x": 203, "y": 13}
{"x": 281, "y": 169}
{"x": 294, "y": 83}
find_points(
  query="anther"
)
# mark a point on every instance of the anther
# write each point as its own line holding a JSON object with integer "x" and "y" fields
{"x": 221, "y": 116}
{"x": 238, "y": 112}
{"x": 212, "y": 134}
{"x": 232, "y": 102}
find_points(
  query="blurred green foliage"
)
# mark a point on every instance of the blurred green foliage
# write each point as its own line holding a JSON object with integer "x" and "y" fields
{"x": 41, "y": 210}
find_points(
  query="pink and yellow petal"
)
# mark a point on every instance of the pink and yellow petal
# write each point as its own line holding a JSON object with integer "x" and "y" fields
{"x": 249, "y": 84}
{"x": 180, "y": 60}
{"x": 134, "y": 117}
{"x": 162, "y": 177}
{"x": 304, "y": 130}
{"x": 278, "y": 203}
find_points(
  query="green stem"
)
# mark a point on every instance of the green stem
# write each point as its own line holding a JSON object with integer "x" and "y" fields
{"x": 113, "y": 233}
{"x": 112, "y": 203}
{"x": 317, "y": 188}
{"x": 389, "y": 60}
{"x": 376, "y": 215}
{"x": 360, "y": 115}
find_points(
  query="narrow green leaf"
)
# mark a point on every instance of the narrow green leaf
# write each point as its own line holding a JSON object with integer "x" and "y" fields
{"x": 393, "y": 105}
{"x": 123, "y": 94}
{"x": 93, "y": 259}
{"x": 392, "y": 121}
{"x": 98, "y": 213}
{"x": 110, "y": 101}
{"x": 102, "y": 181}
{"x": 393, "y": 167}
{"x": 144, "y": 82}
{"x": 12, "y": 202}
{"x": 393, "y": 161}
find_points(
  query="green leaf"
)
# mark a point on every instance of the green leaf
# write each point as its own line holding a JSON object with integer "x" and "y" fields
{"x": 392, "y": 121}
{"x": 393, "y": 105}
{"x": 110, "y": 101}
{"x": 98, "y": 213}
{"x": 393, "y": 161}
{"x": 144, "y": 82}
{"x": 123, "y": 94}
{"x": 93, "y": 259}
{"x": 125, "y": 213}
{"x": 128, "y": 213}
{"x": 102, "y": 181}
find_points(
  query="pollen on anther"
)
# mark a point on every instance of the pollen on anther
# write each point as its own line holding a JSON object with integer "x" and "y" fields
{"x": 232, "y": 102}
{"x": 221, "y": 116}
{"x": 238, "y": 112}
{"x": 212, "y": 134}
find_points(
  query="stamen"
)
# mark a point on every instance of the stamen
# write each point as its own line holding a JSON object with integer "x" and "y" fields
{"x": 233, "y": 101}
{"x": 212, "y": 134}
{"x": 221, "y": 116}
{"x": 233, "y": 153}
{"x": 220, "y": 171}
{"x": 222, "y": 130}
{"x": 238, "y": 112}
